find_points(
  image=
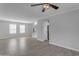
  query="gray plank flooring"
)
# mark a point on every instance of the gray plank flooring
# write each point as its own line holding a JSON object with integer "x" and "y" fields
{"x": 31, "y": 47}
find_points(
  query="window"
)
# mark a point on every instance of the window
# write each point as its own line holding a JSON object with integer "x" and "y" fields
{"x": 22, "y": 28}
{"x": 12, "y": 28}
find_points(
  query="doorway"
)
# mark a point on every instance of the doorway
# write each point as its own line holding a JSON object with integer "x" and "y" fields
{"x": 46, "y": 30}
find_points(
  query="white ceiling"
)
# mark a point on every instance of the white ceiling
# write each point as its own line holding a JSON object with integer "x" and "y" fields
{"x": 23, "y": 11}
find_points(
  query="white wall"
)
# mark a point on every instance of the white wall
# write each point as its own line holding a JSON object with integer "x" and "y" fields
{"x": 4, "y": 29}
{"x": 64, "y": 30}
{"x": 40, "y": 30}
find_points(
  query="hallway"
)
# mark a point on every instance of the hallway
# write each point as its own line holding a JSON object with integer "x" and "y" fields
{"x": 31, "y": 47}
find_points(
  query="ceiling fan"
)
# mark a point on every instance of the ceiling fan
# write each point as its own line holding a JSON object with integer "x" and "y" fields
{"x": 46, "y": 6}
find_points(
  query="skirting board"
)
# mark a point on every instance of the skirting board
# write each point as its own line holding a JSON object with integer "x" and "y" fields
{"x": 9, "y": 37}
{"x": 64, "y": 47}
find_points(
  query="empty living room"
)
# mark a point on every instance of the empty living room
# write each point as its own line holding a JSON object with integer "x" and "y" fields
{"x": 39, "y": 29}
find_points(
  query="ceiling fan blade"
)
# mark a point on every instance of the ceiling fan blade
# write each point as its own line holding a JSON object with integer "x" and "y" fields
{"x": 36, "y": 4}
{"x": 43, "y": 10}
{"x": 53, "y": 6}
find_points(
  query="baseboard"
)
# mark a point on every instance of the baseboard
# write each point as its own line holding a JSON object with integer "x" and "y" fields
{"x": 64, "y": 47}
{"x": 9, "y": 37}
{"x": 40, "y": 39}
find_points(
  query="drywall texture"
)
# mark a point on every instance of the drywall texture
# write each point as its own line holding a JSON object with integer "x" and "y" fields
{"x": 40, "y": 27}
{"x": 4, "y": 29}
{"x": 64, "y": 30}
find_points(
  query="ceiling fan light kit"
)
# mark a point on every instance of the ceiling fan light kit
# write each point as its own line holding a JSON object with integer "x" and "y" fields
{"x": 46, "y": 6}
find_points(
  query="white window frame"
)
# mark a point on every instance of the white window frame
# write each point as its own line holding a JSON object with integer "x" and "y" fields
{"x": 12, "y": 28}
{"x": 22, "y": 28}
